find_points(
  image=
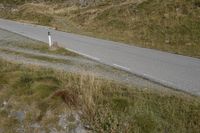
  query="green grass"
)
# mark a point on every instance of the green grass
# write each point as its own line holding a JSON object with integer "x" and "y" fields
{"x": 42, "y": 58}
{"x": 36, "y": 45}
{"x": 106, "y": 106}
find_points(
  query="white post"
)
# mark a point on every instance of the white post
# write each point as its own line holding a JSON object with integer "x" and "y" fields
{"x": 50, "y": 41}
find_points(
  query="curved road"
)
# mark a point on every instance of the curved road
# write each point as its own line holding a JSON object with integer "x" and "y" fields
{"x": 176, "y": 71}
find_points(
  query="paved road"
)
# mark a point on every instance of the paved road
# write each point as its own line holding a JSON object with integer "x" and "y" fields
{"x": 180, "y": 72}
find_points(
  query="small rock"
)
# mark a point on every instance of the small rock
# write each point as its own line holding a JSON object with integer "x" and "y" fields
{"x": 20, "y": 115}
{"x": 188, "y": 44}
{"x": 14, "y": 10}
{"x": 71, "y": 123}
{"x": 42, "y": 131}
{"x": 53, "y": 130}
{"x": 63, "y": 121}
{"x": 5, "y": 103}
{"x": 177, "y": 9}
{"x": 20, "y": 130}
{"x": 167, "y": 41}
{"x": 1, "y": 131}
{"x": 80, "y": 129}
{"x": 76, "y": 116}
{"x": 1, "y": 6}
{"x": 166, "y": 15}
{"x": 35, "y": 125}
{"x": 49, "y": 114}
{"x": 145, "y": 88}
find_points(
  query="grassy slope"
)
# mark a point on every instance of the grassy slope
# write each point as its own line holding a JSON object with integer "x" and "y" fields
{"x": 106, "y": 106}
{"x": 41, "y": 47}
{"x": 172, "y": 26}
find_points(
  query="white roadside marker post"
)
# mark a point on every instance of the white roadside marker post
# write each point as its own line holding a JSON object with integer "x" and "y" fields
{"x": 50, "y": 41}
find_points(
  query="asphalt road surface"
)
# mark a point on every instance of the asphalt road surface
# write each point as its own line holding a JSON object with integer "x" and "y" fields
{"x": 176, "y": 71}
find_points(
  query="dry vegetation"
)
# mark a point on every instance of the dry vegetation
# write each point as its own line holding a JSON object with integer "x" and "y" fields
{"x": 166, "y": 25}
{"x": 106, "y": 106}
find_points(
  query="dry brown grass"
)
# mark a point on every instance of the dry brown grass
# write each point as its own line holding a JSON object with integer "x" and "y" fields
{"x": 69, "y": 98}
{"x": 105, "y": 106}
{"x": 171, "y": 26}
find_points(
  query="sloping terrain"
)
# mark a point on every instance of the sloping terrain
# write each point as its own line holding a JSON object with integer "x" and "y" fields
{"x": 166, "y": 25}
{"x": 40, "y": 92}
{"x": 19, "y": 49}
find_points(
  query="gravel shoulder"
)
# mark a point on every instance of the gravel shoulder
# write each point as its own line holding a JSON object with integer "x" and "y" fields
{"x": 15, "y": 43}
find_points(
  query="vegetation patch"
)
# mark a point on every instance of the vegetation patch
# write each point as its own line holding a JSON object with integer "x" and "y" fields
{"x": 105, "y": 106}
{"x": 42, "y": 58}
{"x": 33, "y": 45}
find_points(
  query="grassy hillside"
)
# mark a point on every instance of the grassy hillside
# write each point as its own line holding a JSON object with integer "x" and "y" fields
{"x": 167, "y": 25}
{"x": 105, "y": 106}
